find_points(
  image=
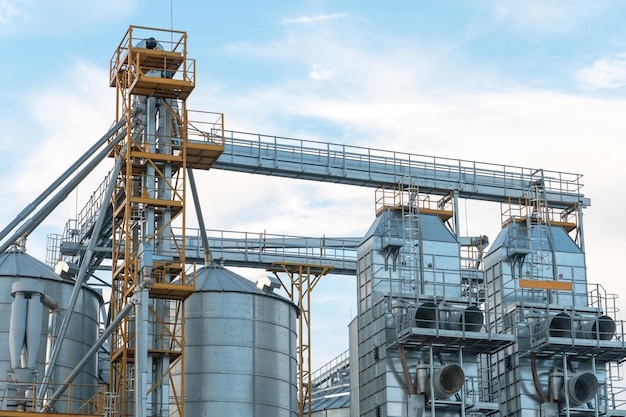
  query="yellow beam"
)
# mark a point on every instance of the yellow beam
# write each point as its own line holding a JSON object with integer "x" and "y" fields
{"x": 545, "y": 284}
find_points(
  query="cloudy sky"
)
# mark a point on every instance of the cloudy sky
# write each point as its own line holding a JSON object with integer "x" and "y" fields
{"x": 528, "y": 83}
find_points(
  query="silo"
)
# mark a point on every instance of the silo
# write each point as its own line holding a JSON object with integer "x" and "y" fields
{"x": 32, "y": 303}
{"x": 240, "y": 351}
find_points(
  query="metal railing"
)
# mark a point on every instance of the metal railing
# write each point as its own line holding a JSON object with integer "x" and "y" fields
{"x": 342, "y": 157}
{"x": 338, "y": 367}
{"x": 70, "y": 403}
{"x": 283, "y": 247}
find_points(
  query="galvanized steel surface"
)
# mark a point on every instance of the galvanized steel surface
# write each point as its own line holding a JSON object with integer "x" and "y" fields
{"x": 240, "y": 349}
{"x": 16, "y": 265}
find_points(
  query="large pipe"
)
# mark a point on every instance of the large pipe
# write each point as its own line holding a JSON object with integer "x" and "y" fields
{"x": 426, "y": 316}
{"x": 600, "y": 328}
{"x": 581, "y": 389}
{"x": 29, "y": 208}
{"x": 54, "y": 202}
{"x": 17, "y": 328}
{"x": 560, "y": 325}
{"x": 469, "y": 320}
{"x": 447, "y": 381}
{"x": 132, "y": 301}
{"x": 52, "y": 339}
{"x": 82, "y": 273}
{"x": 33, "y": 329}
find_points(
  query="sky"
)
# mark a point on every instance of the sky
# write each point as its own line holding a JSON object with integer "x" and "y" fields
{"x": 529, "y": 83}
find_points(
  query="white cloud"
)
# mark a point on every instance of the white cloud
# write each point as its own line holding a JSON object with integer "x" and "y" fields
{"x": 557, "y": 16}
{"x": 59, "y": 16}
{"x": 399, "y": 96}
{"x": 9, "y": 10}
{"x": 14, "y": 15}
{"x": 62, "y": 123}
{"x": 321, "y": 73}
{"x": 311, "y": 19}
{"x": 607, "y": 73}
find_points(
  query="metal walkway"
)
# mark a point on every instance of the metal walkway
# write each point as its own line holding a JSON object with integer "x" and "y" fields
{"x": 367, "y": 167}
{"x": 259, "y": 250}
{"x": 243, "y": 249}
{"x": 332, "y": 163}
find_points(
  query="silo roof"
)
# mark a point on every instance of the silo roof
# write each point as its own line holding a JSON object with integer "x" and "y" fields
{"x": 219, "y": 279}
{"x": 16, "y": 262}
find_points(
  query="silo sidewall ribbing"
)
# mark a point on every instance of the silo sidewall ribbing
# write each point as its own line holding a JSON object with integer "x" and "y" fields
{"x": 240, "y": 354}
{"x": 81, "y": 335}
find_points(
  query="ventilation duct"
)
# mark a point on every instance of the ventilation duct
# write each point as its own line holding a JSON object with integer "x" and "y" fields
{"x": 600, "y": 328}
{"x": 470, "y": 319}
{"x": 426, "y": 316}
{"x": 581, "y": 389}
{"x": 558, "y": 325}
{"x": 447, "y": 381}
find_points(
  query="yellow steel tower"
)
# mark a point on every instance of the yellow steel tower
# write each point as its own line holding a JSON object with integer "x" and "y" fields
{"x": 153, "y": 78}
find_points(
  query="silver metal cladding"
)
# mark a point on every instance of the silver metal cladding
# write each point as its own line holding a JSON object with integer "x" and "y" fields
{"x": 240, "y": 348}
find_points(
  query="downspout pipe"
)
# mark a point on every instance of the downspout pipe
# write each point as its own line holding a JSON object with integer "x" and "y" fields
{"x": 40, "y": 215}
{"x": 82, "y": 274}
{"x": 31, "y": 207}
{"x": 53, "y": 318}
{"x": 196, "y": 201}
{"x": 135, "y": 299}
{"x": 533, "y": 368}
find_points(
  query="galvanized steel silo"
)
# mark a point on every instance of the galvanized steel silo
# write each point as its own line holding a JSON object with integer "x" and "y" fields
{"x": 32, "y": 304}
{"x": 240, "y": 352}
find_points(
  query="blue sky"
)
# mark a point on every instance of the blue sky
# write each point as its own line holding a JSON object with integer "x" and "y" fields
{"x": 528, "y": 83}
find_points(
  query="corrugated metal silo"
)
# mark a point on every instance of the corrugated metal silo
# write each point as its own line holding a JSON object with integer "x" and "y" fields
{"x": 34, "y": 297}
{"x": 240, "y": 349}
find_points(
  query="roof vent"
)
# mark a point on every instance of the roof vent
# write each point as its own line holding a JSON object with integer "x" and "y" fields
{"x": 267, "y": 284}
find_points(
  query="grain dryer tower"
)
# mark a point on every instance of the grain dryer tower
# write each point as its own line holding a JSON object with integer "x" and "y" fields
{"x": 517, "y": 332}
{"x": 568, "y": 341}
{"x": 421, "y": 321}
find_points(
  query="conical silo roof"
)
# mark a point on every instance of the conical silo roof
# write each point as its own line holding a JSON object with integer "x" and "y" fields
{"x": 218, "y": 279}
{"x": 15, "y": 262}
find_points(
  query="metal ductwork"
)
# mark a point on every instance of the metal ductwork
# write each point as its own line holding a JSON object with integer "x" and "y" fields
{"x": 426, "y": 316}
{"x": 580, "y": 389}
{"x": 470, "y": 319}
{"x": 25, "y": 324}
{"x": 447, "y": 381}
{"x": 600, "y": 328}
{"x": 558, "y": 325}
